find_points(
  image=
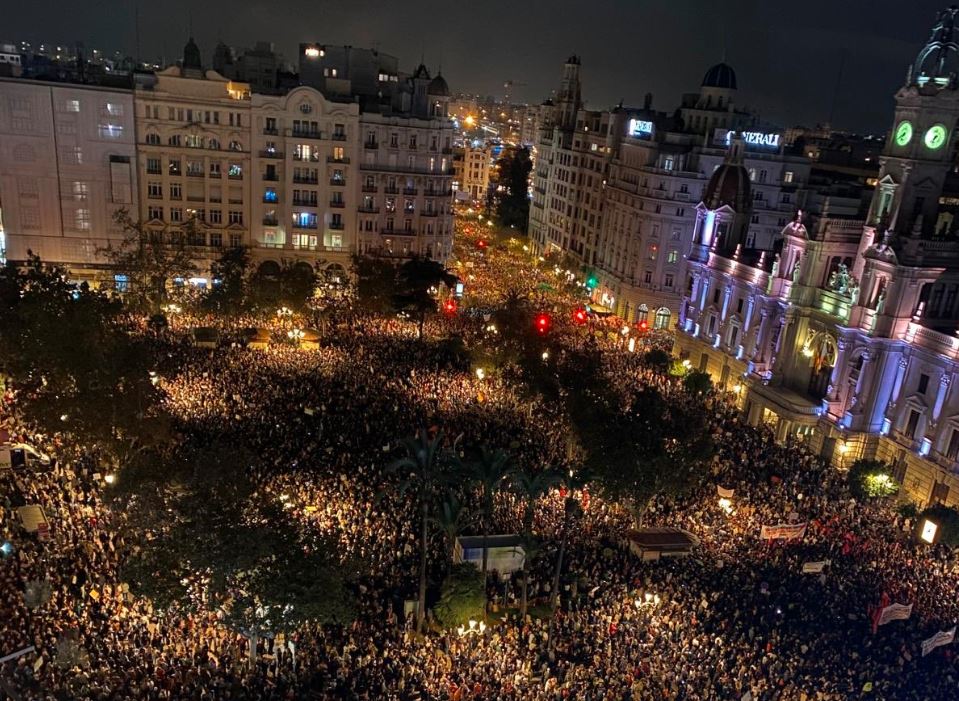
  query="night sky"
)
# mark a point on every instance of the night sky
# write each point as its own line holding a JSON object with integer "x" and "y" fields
{"x": 786, "y": 54}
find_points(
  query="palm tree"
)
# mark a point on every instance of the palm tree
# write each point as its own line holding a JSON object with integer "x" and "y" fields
{"x": 423, "y": 470}
{"x": 488, "y": 472}
{"x": 449, "y": 519}
{"x": 572, "y": 509}
{"x": 529, "y": 488}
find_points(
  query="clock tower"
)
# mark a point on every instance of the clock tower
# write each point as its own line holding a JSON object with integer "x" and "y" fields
{"x": 921, "y": 147}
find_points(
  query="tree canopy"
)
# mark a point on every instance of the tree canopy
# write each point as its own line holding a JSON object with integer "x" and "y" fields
{"x": 512, "y": 187}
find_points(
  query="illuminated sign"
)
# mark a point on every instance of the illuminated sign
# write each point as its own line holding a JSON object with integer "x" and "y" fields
{"x": 640, "y": 127}
{"x": 312, "y": 52}
{"x": 929, "y": 531}
{"x": 755, "y": 139}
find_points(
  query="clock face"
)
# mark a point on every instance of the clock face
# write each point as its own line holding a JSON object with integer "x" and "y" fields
{"x": 935, "y": 136}
{"x": 904, "y": 133}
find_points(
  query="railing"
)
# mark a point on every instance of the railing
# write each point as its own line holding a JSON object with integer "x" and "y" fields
{"x": 334, "y": 159}
{"x": 271, "y": 132}
{"x": 272, "y": 177}
{"x": 305, "y": 180}
{"x": 397, "y": 232}
{"x": 236, "y": 177}
{"x": 301, "y": 225}
{"x": 271, "y": 154}
{"x": 338, "y": 182}
{"x": 406, "y": 169}
{"x": 338, "y": 137}
{"x": 391, "y": 190}
{"x": 368, "y": 210}
{"x": 217, "y": 174}
{"x": 369, "y": 188}
{"x": 195, "y": 173}
{"x": 154, "y": 171}
{"x": 305, "y": 134}
{"x": 267, "y": 200}
{"x": 336, "y": 225}
{"x": 300, "y": 202}
{"x": 270, "y": 221}
{"x": 410, "y": 191}
{"x": 430, "y": 214}
{"x": 312, "y": 158}
{"x": 337, "y": 204}
{"x": 372, "y": 145}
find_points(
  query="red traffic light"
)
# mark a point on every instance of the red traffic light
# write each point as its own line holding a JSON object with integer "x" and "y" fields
{"x": 579, "y": 315}
{"x": 482, "y": 243}
{"x": 542, "y": 323}
{"x": 449, "y": 306}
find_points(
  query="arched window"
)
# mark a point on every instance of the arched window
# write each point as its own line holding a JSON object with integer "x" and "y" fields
{"x": 214, "y": 144}
{"x": 642, "y": 313}
{"x": 174, "y": 140}
{"x": 662, "y": 318}
{"x": 236, "y": 146}
{"x": 153, "y": 139}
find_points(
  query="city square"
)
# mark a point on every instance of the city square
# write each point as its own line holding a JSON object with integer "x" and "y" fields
{"x": 323, "y": 381}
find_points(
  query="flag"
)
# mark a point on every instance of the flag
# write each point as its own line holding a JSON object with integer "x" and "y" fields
{"x": 943, "y": 637}
{"x": 725, "y": 493}
{"x": 894, "y": 612}
{"x": 814, "y": 567}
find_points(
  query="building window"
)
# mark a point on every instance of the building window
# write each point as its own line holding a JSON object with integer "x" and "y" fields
{"x": 788, "y": 176}
{"x": 176, "y": 191}
{"x": 72, "y": 106}
{"x": 672, "y": 256}
{"x": 153, "y": 139}
{"x": 80, "y": 190}
{"x": 236, "y": 240}
{"x": 154, "y": 212}
{"x": 668, "y": 281}
{"x": 82, "y": 219}
{"x": 174, "y": 166}
{"x": 236, "y": 171}
{"x": 235, "y": 217}
{"x": 155, "y": 191}
{"x": 338, "y": 153}
{"x": 912, "y": 423}
{"x": 176, "y": 214}
{"x": 153, "y": 166}
{"x": 648, "y": 277}
{"x": 923, "y": 383}
{"x": 216, "y": 216}
{"x": 662, "y": 318}
{"x": 270, "y": 195}
{"x": 216, "y": 239}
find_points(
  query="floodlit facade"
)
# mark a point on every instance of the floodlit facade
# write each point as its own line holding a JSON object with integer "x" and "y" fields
{"x": 472, "y": 171}
{"x": 846, "y": 334}
{"x": 67, "y": 164}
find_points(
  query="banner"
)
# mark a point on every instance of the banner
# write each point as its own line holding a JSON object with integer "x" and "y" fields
{"x": 783, "y": 531}
{"x": 814, "y": 567}
{"x": 17, "y": 654}
{"x": 943, "y": 637}
{"x": 894, "y": 612}
{"x": 725, "y": 493}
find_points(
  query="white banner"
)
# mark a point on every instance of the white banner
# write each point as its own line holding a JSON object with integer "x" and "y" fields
{"x": 814, "y": 567}
{"x": 943, "y": 637}
{"x": 17, "y": 654}
{"x": 725, "y": 493}
{"x": 894, "y": 612}
{"x": 783, "y": 531}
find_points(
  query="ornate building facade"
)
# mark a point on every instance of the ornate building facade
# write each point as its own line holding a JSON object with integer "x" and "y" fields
{"x": 845, "y": 334}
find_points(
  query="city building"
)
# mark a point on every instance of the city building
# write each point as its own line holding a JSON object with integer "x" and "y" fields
{"x": 194, "y": 157}
{"x": 67, "y": 165}
{"x": 260, "y": 66}
{"x": 846, "y": 335}
{"x": 10, "y": 61}
{"x": 306, "y": 184}
{"x": 348, "y": 70}
{"x": 471, "y": 165}
{"x": 615, "y": 191}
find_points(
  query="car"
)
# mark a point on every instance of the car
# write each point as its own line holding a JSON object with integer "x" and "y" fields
{"x": 17, "y": 455}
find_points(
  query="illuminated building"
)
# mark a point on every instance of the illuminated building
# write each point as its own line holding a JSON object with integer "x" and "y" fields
{"x": 846, "y": 334}
{"x": 67, "y": 164}
{"x": 472, "y": 171}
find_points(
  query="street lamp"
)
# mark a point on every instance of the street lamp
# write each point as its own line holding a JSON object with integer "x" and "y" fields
{"x": 480, "y": 373}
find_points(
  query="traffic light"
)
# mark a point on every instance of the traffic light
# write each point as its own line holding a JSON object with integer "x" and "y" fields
{"x": 592, "y": 281}
{"x": 449, "y": 306}
{"x": 579, "y": 315}
{"x": 542, "y": 323}
{"x": 482, "y": 244}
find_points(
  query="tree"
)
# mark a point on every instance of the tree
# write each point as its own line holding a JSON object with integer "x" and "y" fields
{"x": 488, "y": 471}
{"x": 572, "y": 510}
{"x": 449, "y": 519}
{"x": 871, "y": 479}
{"x": 462, "y": 598}
{"x": 418, "y": 279}
{"x": 231, "y": 273}
{"x": 152, "y": 258}
{"x": 209, "y": 541}
{"x": 513, "y": 169}
{"x": 76, "y": 370}
{"x": 658, "y": 360}
{"x": 530, "y": 488}
{"x": 292, "y": 286}
{"x": 375, "y": 283}
{"x": 423, "y": 471}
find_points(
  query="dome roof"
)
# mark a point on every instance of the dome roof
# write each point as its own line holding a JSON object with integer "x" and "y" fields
{"x": 730, "y": 187}
{"x": 191, "y": 55}
{"x": 721, "y": 75}
{"x": 438, "y": 86}
{"x": 938, "y": 62}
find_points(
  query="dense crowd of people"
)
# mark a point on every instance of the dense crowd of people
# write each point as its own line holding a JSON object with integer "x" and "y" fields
{"x": 737, "y": 620}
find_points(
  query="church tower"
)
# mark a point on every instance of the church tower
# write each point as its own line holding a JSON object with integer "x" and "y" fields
{"x": 921, "y": 147}
{"x": 570, "y": 98}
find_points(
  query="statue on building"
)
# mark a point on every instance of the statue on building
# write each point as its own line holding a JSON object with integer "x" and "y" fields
{"x": 853, "y": 291}
{"x": 843, "y": 282}
{"x": 797, "y": 270}
{"x": 881, "y": 301}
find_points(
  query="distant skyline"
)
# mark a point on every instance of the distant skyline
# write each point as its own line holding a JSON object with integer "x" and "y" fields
{"x": 786, "y": 55}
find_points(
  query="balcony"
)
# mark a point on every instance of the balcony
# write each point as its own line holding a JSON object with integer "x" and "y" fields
{"x": 371, "y": 145}
{"x": 311, "y": 158}
{"x": 434, "y": 213}
{"x": 334, "y": 159}
{"x": 338, "y": 136}
{"x": 238, "y": 176}
{"x": 410, "y": 191}
{"x": 195, "y": 198}
{"x": 297, "y": 224}
{"x": 438, "y": 193}
{"x": 270, "y": 221}
{"x": 339, "y": 182}
{"x": 272, "y": 177}
{"x": 267, "y": 200}
{"x": 382, "y": 167}
{"x": 175, "y": 171}
{"x": 300, "y": 202}
{"x": 368, "y": 210}
{"x": 397, "y": 232}
{"x": 216, "y": 174}
{"x": 153, "y": 171}
{"x": 271, "y": 154}
{"x": 306, "y": 134}
{"x": 391, "y": 190}
{"x": 336, "y": 225}
{"x": 305, "y": 179}
{"x": 195, "y": 174}
{"x": 271, "y": 132}
{"x": 337, "y": 204}
{"x": 369, "y": 188}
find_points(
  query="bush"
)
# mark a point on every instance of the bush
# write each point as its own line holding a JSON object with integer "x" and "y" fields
{"x": 907, "y": 509}
{"x": 871, "y": 479}
{"x": 947, "y": 518}
{"x": 463, "y": 597}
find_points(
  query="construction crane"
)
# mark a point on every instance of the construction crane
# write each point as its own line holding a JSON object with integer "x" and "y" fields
{"x": 508, "y": 87}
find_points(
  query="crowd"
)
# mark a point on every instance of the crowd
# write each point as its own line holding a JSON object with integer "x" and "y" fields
{"x": 737, "y": 620}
